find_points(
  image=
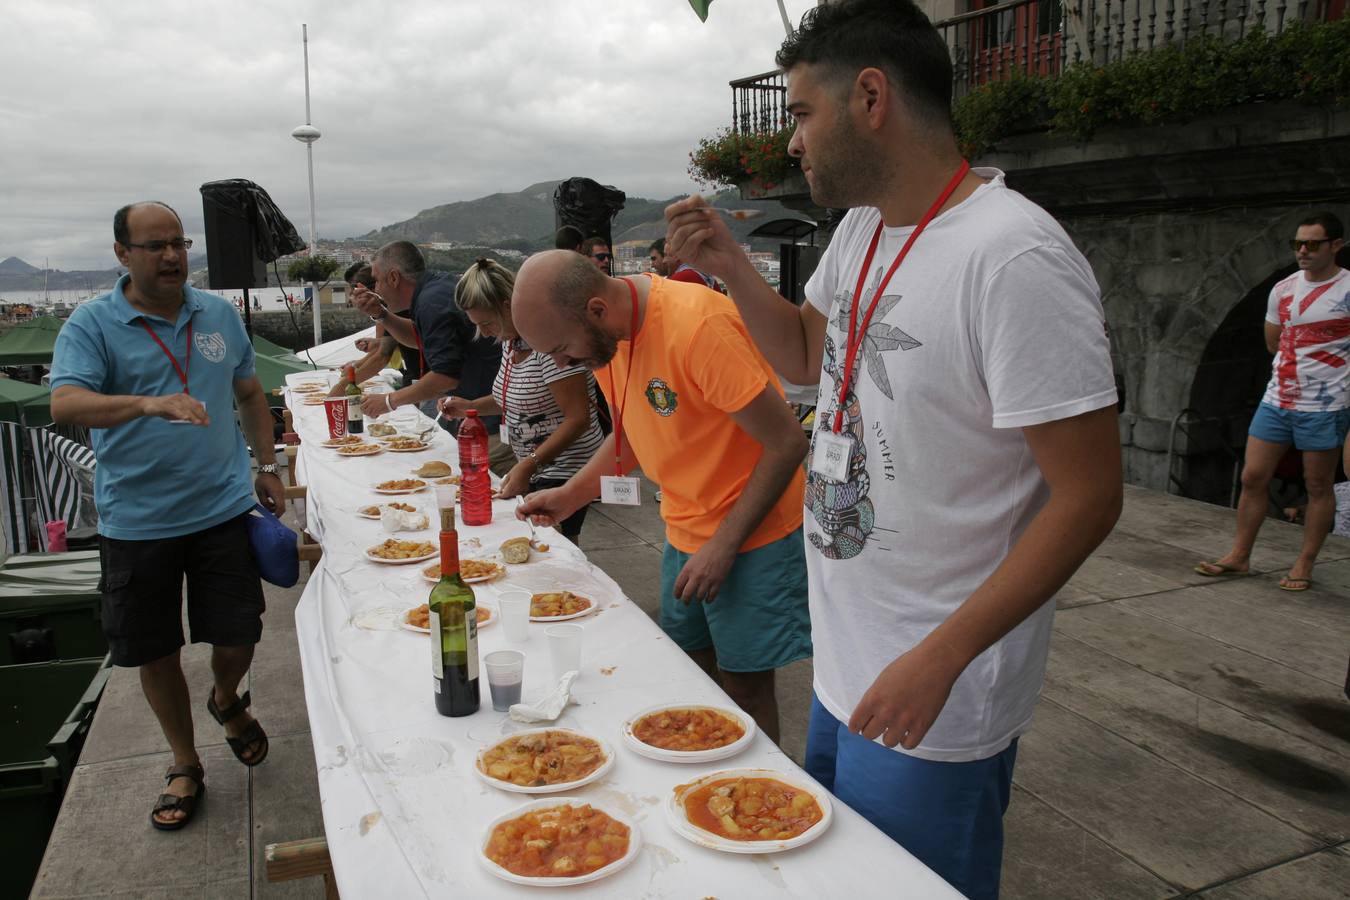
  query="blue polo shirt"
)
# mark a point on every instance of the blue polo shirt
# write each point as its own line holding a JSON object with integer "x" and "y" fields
{"x": 154, "y": 479}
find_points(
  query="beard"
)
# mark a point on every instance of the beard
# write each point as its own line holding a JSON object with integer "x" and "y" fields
{"x": 601, "y": 347}
{"x": 844, "y": 173}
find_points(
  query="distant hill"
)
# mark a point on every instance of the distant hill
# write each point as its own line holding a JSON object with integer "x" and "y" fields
{"x": 15, "y": 278}
{"x": 524, "y": 220}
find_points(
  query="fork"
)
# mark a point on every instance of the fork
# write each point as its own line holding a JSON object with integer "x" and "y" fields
{"x": 520, "y": 501}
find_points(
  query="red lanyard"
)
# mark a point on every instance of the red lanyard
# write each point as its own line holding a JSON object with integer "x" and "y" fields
{"x": 421, "y": 352}
{"x": 187, "y": 357}
{"x": 619, "y": 401}
{"x": 857, "y": 333}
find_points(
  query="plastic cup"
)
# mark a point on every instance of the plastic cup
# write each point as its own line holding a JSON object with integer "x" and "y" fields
{"x": 335, "y": 408}
{"x": 564, "y": 646}
{"x": 514, "y": 609}
{"x": 505, "y": 674}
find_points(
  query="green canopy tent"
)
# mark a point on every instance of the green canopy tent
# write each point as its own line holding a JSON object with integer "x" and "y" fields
{"x": 30, "y": 343}
{"x": 272, "y": 370}
{"x": 264, "y": 347}
{"x": 28, "y": 404}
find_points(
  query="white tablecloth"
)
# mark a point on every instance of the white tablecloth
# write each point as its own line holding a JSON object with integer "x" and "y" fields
{"x": 404, "y": 813}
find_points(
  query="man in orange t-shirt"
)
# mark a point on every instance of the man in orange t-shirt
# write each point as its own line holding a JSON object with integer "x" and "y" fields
{"x": 699, "y": 408}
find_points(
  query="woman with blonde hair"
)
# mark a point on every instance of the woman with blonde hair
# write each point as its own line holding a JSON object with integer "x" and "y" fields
{"x": 548, "y": 414}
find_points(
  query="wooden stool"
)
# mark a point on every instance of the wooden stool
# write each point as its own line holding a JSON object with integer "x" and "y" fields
{"x": 304, "y": 858}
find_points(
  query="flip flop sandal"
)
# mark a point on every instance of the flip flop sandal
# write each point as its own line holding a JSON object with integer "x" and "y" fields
{"x": 253, "y": 738}
{"x": 1295, "y": 585}
{"x": 1200, "y": 569}
{"x": 169, "y": 802}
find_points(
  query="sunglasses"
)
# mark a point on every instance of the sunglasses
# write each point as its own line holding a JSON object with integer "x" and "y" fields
{"x": 603, "y": 257}
{"x": 1312, "y": 245}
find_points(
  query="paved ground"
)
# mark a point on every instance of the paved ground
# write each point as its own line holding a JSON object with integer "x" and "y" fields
{"x": 1193, "y": 738}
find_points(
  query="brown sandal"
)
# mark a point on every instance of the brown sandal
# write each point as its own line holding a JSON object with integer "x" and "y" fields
{"x": 254, "y": 739}
{"x": 171, "y": 802}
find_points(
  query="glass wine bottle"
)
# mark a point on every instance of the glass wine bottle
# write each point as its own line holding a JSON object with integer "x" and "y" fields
{"x": 453, "y": 621}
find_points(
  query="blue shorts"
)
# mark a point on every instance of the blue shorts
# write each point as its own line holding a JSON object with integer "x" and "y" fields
{"x": 759, "y": 620}
{"x": 949, "y": 815}
{"x": 1305, "y": 430}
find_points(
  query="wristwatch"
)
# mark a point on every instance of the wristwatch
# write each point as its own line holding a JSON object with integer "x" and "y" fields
{"x": 380, "y": 317}
{"x": 267, "y": 469}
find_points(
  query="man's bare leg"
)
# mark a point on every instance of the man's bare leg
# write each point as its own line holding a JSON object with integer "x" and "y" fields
{"x": 1257, "y": 470}
{"x": 754, "y": 693}
{"x": 229, "y": 665}
{"x": 1319, "y": 468}
{"x": 167, "y": 692}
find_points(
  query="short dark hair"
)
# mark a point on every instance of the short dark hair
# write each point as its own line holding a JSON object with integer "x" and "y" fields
{"x": 577, "y": 281}
{"x": 568, "y": 237}
{"x": 892, "y": 35}
{"x": 591, "y": 243}
{"x": 122, "y": 231}
{"x": 359, "y": 272}
{"x": 1329, "y": 221}
{"x": 403, "y": 256}
{"x": 659, "y": 245}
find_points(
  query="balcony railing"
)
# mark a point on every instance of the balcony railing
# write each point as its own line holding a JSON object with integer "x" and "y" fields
{"x": 759, "y": 103}
{"x": 1042, "y": 37}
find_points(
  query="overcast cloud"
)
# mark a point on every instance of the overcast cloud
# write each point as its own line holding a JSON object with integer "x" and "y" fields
{"x": 419, "y": 104}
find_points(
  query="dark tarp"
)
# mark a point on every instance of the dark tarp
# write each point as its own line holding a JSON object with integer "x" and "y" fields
{"x": 30, "y": 343}
{"x": 274, "y": 235}
{"x": 588, "y": 205}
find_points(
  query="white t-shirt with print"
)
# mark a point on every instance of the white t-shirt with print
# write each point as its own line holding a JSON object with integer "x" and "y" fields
{"x": 991, "y": 324}
{"x": 1309, "y": 372}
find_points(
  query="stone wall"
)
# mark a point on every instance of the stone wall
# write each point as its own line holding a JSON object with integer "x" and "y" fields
{"x": 1186, "y": 228}
{"x": 298, "y": 334}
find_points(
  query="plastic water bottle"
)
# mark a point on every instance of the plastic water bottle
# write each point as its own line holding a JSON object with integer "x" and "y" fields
{"x": 475, "y": 485}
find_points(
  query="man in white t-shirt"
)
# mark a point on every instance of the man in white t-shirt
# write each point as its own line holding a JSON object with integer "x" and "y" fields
{"x": 1307, "y": 403}
{"x": 962, "y": 468}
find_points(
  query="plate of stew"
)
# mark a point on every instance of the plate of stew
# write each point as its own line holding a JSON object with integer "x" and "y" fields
{"x": 749, "y": 810}
{"x": 688, "y": 732}
{"x": 559, "y": 841}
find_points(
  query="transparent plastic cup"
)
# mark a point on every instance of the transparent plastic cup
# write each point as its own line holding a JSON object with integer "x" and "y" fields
{"x": 514, "y": 609}
{"x": 564, "y": 646}
{"x": 506, "y": 675}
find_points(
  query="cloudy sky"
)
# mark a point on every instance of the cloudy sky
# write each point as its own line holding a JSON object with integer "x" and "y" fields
{"x": 419, "y": 104}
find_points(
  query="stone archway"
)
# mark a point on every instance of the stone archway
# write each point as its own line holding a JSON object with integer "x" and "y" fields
{"x": 1229, "y": 382}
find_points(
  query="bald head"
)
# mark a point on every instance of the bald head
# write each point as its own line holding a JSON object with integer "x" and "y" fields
{"x": 122, "y": 218}
{"x": 560, "y": 305}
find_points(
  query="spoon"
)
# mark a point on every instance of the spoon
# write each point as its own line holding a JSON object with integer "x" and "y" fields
{"x": 520, "y": 501}
{"x": 739, "y": 214}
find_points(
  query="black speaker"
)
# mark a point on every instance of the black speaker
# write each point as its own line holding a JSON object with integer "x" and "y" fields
{"x": 796, "y": 264}
{"x": 231, "y": 246}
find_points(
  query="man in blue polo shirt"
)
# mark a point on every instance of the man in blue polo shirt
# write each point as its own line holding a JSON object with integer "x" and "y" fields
{"x": 156, "y": 369}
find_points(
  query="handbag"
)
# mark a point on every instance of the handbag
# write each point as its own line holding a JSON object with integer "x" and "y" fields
{"x": 274, "y": 547}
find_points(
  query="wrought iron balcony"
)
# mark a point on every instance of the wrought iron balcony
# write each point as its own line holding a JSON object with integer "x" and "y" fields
{"x": 759, "y": 103}
{"x": 1042, "y": 37}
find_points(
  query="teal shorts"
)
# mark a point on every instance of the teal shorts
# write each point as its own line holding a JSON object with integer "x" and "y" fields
{"x": 759, "y": 621}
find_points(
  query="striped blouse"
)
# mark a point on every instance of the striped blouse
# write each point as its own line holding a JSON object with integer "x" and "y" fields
{"x": 532, "y": 415}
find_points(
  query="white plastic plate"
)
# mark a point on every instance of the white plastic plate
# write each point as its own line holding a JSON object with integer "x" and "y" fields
{"x": 546, "y": 788}
{"x": 689, "y": 831}
{"x": 689, "y": 756}
{"x": 634, "y": 844}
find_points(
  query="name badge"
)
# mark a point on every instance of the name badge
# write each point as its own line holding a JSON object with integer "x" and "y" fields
{"x": 505, "y": 433}
{"x": 620, "y": 490}
{"x": 830, "y": 457}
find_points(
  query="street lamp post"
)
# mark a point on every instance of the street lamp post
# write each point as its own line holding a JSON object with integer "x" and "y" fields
{"x": 307, "y": 134}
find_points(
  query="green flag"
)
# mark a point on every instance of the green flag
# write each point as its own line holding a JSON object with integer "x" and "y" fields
{"x": 701, "y": 8}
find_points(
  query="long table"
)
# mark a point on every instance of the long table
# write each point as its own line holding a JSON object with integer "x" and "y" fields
{"x": 404, "y": 813}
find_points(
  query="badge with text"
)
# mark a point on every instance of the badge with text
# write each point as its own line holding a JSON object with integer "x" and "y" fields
{"x": 830, "y": 458}
{"x": 620, "y": 490}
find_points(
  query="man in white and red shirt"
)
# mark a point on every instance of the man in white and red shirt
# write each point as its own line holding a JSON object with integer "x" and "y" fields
{"x": 1307, "y": 403}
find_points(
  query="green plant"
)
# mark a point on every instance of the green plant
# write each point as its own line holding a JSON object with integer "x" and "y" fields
{"x": 318, "y": 269}
{"x": 730, "y": 158}
{"x": 1307, "y": 63}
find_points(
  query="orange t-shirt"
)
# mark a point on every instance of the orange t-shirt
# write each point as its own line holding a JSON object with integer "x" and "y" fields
{"x": 695, "y": 363}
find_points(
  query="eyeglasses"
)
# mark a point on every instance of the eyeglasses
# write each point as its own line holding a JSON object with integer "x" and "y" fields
{"x": 1312, "y": 245}
{"x": 603, "y": 257}
{"x": 160, "y": 246}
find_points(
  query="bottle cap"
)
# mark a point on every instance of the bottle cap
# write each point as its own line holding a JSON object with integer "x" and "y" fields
{"x": 471, "y": 413}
